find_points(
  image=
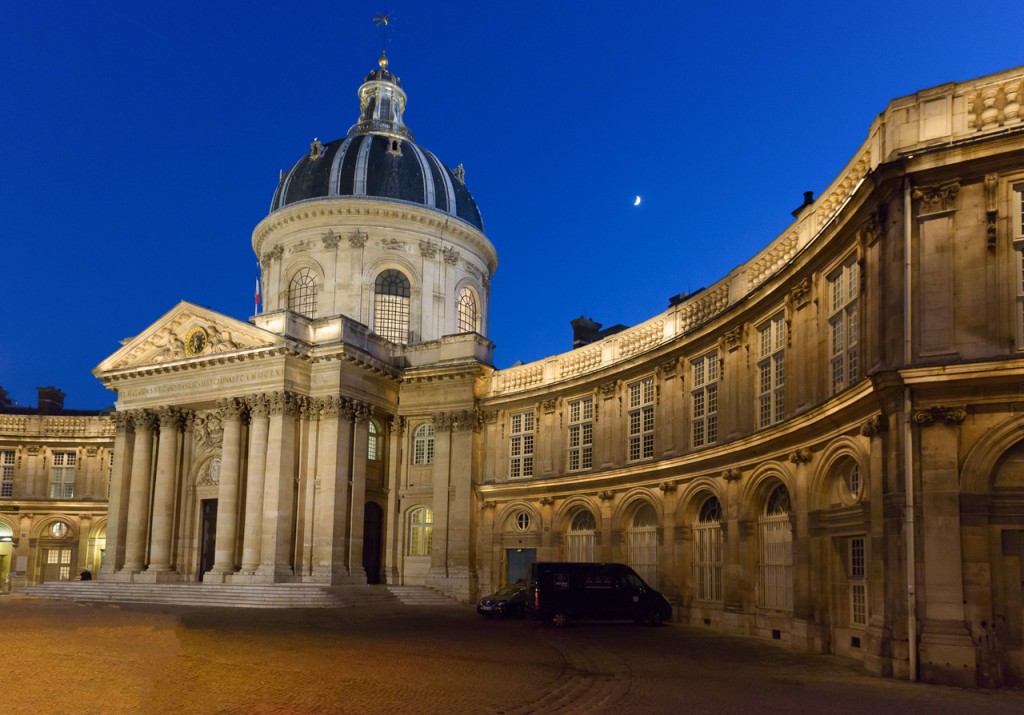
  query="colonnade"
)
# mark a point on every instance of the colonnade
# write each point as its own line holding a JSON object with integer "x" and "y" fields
{"x": 290, "y": 490}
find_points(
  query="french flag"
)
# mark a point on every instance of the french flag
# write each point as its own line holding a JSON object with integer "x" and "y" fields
{"x": 256, "y": 296}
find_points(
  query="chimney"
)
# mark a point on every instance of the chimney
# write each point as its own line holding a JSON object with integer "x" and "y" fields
{"x": 808, "y": 200}
{"x": 51, "y": 400}
{"x": 584, "y": 331}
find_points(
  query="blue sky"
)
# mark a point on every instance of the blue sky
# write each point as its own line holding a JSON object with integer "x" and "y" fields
{"x": 142, "y": 143}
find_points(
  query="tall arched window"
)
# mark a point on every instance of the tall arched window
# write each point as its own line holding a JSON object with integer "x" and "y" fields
{"x": 302, "y": 293}
{"x": 372, "y": 441}
{"x": 581, "y": 541}
{"x": 468, "y": 315}
{"x": 643, "y": 544}
{"x": 707, "y": 551}
{"x": 421, "y": 531}
{"x": 391, "y": 306}
{"x": 775, "y": 565}
{"x": 423, "y": 445}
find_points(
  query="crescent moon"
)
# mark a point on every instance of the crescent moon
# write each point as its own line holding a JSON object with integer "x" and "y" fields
{"x": 637, "y": 202}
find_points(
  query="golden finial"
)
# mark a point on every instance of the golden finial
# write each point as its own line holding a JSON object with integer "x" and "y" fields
{"x": 383, "y": 61}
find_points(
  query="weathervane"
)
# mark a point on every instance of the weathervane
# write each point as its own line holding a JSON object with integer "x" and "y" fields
{"x": 383, "y": 21}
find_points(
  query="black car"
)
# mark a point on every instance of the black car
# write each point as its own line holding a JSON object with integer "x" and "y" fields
{"x": 509, "y": 601}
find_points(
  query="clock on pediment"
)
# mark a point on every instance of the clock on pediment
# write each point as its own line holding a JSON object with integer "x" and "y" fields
{"x": 196, "y": 341}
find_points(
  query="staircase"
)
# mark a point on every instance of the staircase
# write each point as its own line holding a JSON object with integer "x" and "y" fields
{"x": 420, "y": 596}
{"x": 278, "y": 595}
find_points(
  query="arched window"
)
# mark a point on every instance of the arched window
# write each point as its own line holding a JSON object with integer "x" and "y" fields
{"x": 423, "y": 445}
{"x": 302, "y": 293}
{"x": 391, "y": 306}
{"x": 707, "y": 551}
{"x": 775, "y": 564}
{"x": 468, "y": 316}
{"x": 581, "y": 541}
{"x": 643, "y": 544}
{"x": 373, "y": 442}
{"x": 421, "y": 531}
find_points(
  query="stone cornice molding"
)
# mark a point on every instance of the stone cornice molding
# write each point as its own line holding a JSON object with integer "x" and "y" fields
{"x": 950, "y": 416}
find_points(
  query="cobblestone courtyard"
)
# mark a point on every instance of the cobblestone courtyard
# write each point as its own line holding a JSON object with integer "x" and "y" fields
{"x": 63, "y": 657}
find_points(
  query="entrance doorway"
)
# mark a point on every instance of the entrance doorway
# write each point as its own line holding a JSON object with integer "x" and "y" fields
{"x": 207, "y": 535}
{"x": 57, "y": 564}
{"x": 372, "y": 529}
{"x": 519, "y": 561}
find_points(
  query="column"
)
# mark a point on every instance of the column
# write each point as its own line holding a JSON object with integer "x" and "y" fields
{"x": 138, "y": 492}
{"x": 441, "y": 475}
{"x": 252, "y": 534}
{"x": 461, "y": 520}
{"x": 392, "y": 518}
{"x": 84, "y": 552}
{"x": 117, "y": 506}
{"x": 230, "y": 410}
{"x": 278, "y": 490}
{"x": 330, "y": 519}
{"x": 360, "y": 437}
{"x": 163, "y": 490}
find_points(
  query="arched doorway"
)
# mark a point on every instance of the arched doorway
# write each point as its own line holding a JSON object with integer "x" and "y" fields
{"x": 643, "y": 543}
{"x": 373, "y": 527}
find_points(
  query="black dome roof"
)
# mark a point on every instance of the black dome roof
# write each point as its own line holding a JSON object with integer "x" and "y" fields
{"x": 380, "y": 159}
{"x": 378, "y": 166}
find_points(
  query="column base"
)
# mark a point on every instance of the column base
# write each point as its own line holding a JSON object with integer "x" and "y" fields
{"x": 158, "y": 577}
{"x": 947, "y": 655}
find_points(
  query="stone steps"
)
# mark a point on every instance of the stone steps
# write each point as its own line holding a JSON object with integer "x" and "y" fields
{"x": 279, "y": 595}
{"x": 420, "y": 596}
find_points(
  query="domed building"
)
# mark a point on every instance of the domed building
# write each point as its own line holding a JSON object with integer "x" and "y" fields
{"x": 824, "y": 447}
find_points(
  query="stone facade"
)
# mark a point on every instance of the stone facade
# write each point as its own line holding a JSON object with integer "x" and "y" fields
{"x": 825, "y": 447}
{"x": 54, "y": 469}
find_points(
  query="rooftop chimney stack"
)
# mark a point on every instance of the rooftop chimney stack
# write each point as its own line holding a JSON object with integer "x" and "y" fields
{"x": 51, "y": 400}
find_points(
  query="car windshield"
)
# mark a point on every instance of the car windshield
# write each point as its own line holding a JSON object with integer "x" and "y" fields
{"x": 511, "y": 590}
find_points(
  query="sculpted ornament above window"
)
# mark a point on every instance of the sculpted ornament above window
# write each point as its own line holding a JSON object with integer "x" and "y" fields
{"x": 936, "y": 199}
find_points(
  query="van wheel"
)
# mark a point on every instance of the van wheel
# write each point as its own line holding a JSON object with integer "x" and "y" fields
{"x": 559, "y": 619}
{"x": 655, "y": 618}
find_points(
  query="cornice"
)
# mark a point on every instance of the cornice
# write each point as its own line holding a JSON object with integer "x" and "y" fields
{"x": 195, "y": 363}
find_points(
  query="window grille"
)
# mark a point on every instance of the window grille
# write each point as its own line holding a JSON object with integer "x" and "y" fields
{"x": 302, "y": 293}
{"x": 468, "y": 320}
{"x": 6, "y": 473}
{"x": 844, "y": 324}
{"x": 1017, "y": 211}
{"x": 421, "y": 531}
{"x": 775, "y": 565}
{"x": 372, "y": 442}
{"x": 521, "y": 445}
{"x": 423, "y": 445}
{"x": 641, "y": 419}
{"x": 704, "y": 396}
{"x": 643, "y": 544}
{"x": 391, "y": 306}
{"x": 581, "y": 434}
{"x": 581, "y": 541}
{"x": 707, "y": 551}
{"x": 771, "y": 370}
{"x": 62, "y": 480}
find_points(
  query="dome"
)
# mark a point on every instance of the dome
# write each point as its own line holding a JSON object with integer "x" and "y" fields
{"x": 378, "y": 158}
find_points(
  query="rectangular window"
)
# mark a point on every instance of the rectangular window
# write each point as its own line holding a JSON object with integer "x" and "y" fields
{"x": 521, "y": 445}
{"x": 771, "y": 371}
{"x": 641, "y": 419}
{"x": 62, "y": 482}
{"x": 704, "y": 397}
{"x": 858, "y": 584}
{"x": 1017, "y": 211}
{"x": 581, "y": 434}
{"x": 843, "y": 322}
{"x": 6, "y": 472}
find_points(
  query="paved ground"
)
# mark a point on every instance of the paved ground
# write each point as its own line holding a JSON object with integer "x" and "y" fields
{"x": 61, "y": 657}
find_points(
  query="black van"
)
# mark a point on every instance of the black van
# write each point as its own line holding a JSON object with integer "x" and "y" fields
{"x": 560, "y": 592}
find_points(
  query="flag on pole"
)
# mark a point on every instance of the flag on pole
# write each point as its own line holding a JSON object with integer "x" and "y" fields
{"x": 256, "y": 295}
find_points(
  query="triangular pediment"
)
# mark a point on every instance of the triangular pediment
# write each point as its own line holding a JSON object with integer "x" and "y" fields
{"x": 188, "y": 332}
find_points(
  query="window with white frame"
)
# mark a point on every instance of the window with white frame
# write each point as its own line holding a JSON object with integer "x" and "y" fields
{"x": 707, "y": 551}
{"x": 771, "y": 371}
{"x": 581, "y": 540}
{"x": 423, "y": 444}
{"x": 775, "y": 562}
{"x": 468, "y": 314}
{"x": 642, "y": 541}
{"x": 421, "y": 531}
{"x": 581, "y": 434}
{"x": 372, "y": 441}
{"x": 1017, "y": 214}
{"x": 6, "y": 472}
{"x": 641, "y": 419}
{"x": 62, "y": 476}
{"x": 858, "y": 582}
{"x": 704, "y": 400}
{"x": 844, "y": 323}
{"x": 391, "y": 295}
{"x": 302, "y": 292}
{"x": 520, "y": 429}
